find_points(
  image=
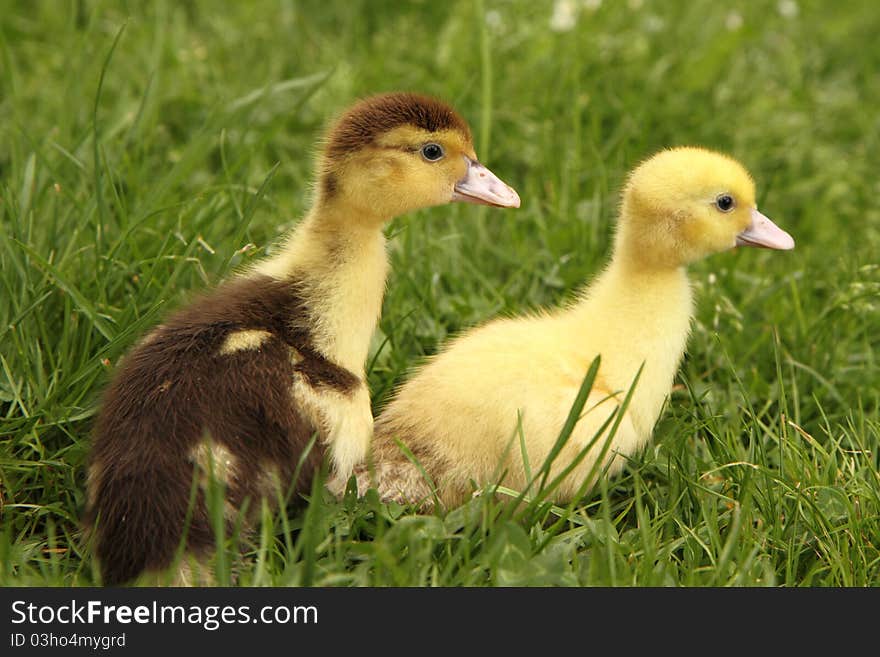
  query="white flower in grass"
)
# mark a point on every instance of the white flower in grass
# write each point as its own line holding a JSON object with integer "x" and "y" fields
{"x": 788, "y": 8}
{"x": 592, "y": 5}
{"x": 494, "y": 20}
{"x": 734, "y": 21}
{"x": 564, "y": 16}
{"x": 654, "y": 23}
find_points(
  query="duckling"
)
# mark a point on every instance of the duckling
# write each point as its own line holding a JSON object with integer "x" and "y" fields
{"x": 459, "y": 414}
{"x": 241, "y": 381}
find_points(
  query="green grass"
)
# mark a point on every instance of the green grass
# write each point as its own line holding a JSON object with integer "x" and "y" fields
{"x": 148, "y": 149}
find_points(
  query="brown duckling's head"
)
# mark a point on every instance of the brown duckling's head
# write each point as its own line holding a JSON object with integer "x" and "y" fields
{"x": 396, "y": 152}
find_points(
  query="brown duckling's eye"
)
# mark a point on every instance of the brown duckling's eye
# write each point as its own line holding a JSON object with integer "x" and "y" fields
{"x": 432, "y": 152}
{"x": 725, "y": 203}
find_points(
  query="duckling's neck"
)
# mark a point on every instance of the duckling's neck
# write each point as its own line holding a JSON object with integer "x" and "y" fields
{"x": 338, "y": 260}
{"x": 633, "y": 314}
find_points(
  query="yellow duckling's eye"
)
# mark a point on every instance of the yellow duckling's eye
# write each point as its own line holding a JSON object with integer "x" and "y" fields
{"x": 432, "y": 152}
{"x": 725, "y": 202}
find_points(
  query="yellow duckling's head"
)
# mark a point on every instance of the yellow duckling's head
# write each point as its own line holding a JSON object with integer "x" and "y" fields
{"x": 686, "y": 203}
{"x": 397, "y": 152}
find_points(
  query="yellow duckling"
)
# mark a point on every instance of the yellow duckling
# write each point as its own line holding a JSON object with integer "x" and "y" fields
{"x": 459, "y": 414}
{"x": 239, "y": 382}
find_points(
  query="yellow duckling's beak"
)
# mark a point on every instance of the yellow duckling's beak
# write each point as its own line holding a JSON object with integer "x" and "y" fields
{"x": 481, "y": 186}
{"x": 765, "y": 234}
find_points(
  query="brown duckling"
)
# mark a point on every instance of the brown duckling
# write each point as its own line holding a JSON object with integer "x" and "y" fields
{"x": 241, "y": 381}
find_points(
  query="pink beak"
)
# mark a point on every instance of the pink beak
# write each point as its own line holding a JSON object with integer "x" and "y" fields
{"x": 765, "y": 234}
{"x": 480, "y": 185}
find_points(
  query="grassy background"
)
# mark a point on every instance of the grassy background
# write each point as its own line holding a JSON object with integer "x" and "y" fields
{"x": 130, "y": 176}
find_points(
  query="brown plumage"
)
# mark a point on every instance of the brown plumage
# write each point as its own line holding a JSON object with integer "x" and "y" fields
{"x": 176, "y": 389}
{"x": 371, "y": 117}
{"x": 244, "y": 379}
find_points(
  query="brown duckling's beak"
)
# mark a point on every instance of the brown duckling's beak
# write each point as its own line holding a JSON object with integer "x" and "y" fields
{"x": 480, "y": 185}
{"x": 764, "y": 233}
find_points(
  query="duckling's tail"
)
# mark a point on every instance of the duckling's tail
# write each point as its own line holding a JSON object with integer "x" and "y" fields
{"x": 138, "y": 515}
{"x": 398, "y": 476}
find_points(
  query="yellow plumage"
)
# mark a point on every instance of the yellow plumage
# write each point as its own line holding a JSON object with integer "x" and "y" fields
{"x": 367, "y": 175}
{"x": 459, "y": 414}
